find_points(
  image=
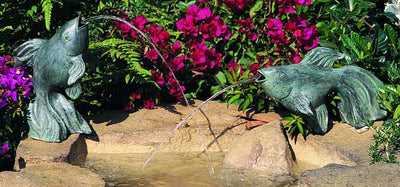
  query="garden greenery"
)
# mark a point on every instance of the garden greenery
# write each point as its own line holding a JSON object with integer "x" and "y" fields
{"x": 209, "y": 45}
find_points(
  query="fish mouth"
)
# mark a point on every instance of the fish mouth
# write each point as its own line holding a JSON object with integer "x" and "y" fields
{"x": 261, "y": 76}
{"x": 81, "y": 39}
{"x": 82, "y": 26}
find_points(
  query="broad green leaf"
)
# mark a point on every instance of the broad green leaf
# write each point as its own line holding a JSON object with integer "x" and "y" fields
{"x": 359, "y": 42}
{"x": 392, "y": 34}
{"x": 220, "y": 78}
{"x": 347, "y": 42}
{"x": 233, "y": 99}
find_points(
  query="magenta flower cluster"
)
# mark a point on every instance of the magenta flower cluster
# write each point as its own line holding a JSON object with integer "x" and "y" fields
{"x": 172, "y": 53}
{"x": 13, "y": 82}
{"x": 199, "y": 26}
{"x": 287, "y": 6}
{"x": 294, "y": 30}
{"x": 4, "y": 151}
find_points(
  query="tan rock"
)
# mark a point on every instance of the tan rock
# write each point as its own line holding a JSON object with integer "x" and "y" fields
{"x": 381, "y": 174}
{"x": 29, "y": 152}
{"x": 51, "y": 174}
{"x": 142, "y": 131}
{"x": 263, "y": 148}
{"x": 340, "y": 145}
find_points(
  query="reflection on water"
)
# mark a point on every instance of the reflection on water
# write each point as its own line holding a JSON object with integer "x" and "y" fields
{"x": 176, "y": 169}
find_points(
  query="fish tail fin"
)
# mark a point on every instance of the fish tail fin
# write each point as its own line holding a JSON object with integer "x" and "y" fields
{"x": 27, "y": 51}
{"x": 52, "y": 118}
{"x": 357, "y": 90}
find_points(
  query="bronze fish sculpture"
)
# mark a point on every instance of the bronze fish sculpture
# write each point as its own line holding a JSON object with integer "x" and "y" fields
{"x": 57, "y": 68}
{"x": 303, "y": 87}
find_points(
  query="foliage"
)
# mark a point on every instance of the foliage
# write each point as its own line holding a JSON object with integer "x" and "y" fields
{"x": 363, "y": 32}
{"x": 15, "y": 91}
{"x": 387, "y": 139}
{"x": 295, "y": 125}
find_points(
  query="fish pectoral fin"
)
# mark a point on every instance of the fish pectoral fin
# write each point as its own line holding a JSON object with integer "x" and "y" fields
{"x": 303, "y": 105}
{"x": 74, "y": 91}
{"x": 322, "y": 117}
{"x": 27, "y": 51}
{"x": 77, "y": 69}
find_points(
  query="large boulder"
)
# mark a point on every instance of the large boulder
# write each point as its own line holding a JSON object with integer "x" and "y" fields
{"x": 144, "y": 130}
{"x": 263, "y": 148}
{"x": 30, "y": 151}
{"x": 381, "y": 174}
{"x": 51, "y": 174}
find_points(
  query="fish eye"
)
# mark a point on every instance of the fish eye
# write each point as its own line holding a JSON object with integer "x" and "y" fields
{"x": 65, "y": 37}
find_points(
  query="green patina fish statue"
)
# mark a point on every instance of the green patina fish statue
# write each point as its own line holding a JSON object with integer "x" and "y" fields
{"x": 303, "y": 87}
{"x": 57, "y": 67}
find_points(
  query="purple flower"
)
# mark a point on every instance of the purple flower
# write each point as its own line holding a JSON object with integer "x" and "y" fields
{"x": 157, "y": 77}
{"x": 4, "y": 150}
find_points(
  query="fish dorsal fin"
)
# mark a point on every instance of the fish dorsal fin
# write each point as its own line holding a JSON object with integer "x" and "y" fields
{"x": 321, "y": 56}
{"x": 77, "y": 69}
{"x": 27, "y": 51}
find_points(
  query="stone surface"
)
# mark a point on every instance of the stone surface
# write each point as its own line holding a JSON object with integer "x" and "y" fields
{"x": 51, "y": 174}
{"x": 30, "y": 152}
{"x": 142, "y": 131}
{"x": 263, "y": 148}
{"x": 341, "y": 145}
{"x": 381, "y": 174}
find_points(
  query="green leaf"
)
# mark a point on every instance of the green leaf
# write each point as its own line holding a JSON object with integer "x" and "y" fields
{"x": 8, "y": 128}
{"x": 300, "y": 127}
{"x": 392, "y": 35}
{"x": 257, "y": 6}
{"x": 359, "y": 42}
{"x": 233, "y": 99}
{"x": 396, "y": 113}
{"x": 128, "y": 78}
{"x": 47, "y": 6}
{"x": 347, "y": 42}
{"x": 220, "y": 78}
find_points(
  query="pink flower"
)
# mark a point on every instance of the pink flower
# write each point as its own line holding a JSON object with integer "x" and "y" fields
{"x": 202, "y": 1}
{"x": 157, "y": 77}
{"x": 215, "y": 29}
{"x": 296, "y": 59}
{"x": 302, "y": 2}
{"x": 149, "y": 104}
{"x": 186, "y": 25}
{"x": 203, "y": 14}
{"x": 139, "y": 22}
{"x": 237, "y": 4}
{"x": 274, "y": 24}
{"x": 232, "y": 66}
{"x": 129, "y": 107}
{"x": 176, "y": 48}
{"x": 192, "y": 10}
{"x": 152, "y": 54}
{"x": 177, "y": 63}
{"x": 252, "y": 36}
{"x": 307, "y": 37}
{"x": 254, "y": 68}
{"x": 175, "y": 89}
{"x": 296, "y": 22}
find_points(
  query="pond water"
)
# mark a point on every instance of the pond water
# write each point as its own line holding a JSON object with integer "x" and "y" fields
{"x": 176, "y": 169}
